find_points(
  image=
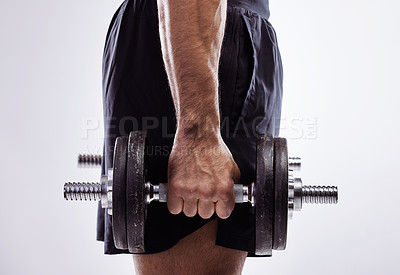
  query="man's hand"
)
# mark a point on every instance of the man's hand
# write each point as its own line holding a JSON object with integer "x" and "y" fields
{"x": 201, "y": 168}
{"x": 201, "y": 177}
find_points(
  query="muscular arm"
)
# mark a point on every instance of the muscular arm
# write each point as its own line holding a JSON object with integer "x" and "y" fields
{"x": 201, "y": 168}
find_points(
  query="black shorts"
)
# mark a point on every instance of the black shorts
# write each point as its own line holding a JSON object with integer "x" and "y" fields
{"x": 136, "y": 96}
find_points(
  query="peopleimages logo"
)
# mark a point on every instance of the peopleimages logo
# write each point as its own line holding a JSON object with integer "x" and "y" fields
{"x": 291, "y": 128}
{"x": 299, "y": 127}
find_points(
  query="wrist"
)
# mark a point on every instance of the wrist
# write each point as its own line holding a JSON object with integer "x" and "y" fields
{"x": 206, "y": 130}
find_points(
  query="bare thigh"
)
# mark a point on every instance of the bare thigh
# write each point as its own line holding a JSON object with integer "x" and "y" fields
{"x": 194, "y": 254}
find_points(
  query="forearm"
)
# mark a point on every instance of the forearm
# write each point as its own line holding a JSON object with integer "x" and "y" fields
{"x": 191, "y": 33}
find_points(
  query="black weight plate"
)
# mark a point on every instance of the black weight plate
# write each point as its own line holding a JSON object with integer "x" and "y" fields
{"x": 281, "y": 193}
{"x": 136, "y": 207}
{"x": 119, "y": 193}
{"x": 264, "y": 196}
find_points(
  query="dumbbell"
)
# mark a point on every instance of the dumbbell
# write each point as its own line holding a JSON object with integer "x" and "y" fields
{"x": 275, "y": 193}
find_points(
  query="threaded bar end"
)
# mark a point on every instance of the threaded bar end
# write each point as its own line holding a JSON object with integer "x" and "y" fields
{"x": 82, "y": 191}
{"x": 294, "y": 160}
{"x": 89, "y": 160}
{"x": 320, "y": 194}
{"x": 294, "y": 163}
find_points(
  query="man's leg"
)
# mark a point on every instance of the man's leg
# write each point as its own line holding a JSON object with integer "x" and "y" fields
{"x": 194, "y": 254}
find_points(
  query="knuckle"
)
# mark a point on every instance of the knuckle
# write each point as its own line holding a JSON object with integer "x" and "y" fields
{"x": 225, "y": 191}
{"x": 205, "y": 193}
{"x": 176, "y": 186}
{"x": 183, "y": 188}
{"x": 189, "y": 193}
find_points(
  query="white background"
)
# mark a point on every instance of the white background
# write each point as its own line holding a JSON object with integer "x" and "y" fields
{"x": 341, "y": 68}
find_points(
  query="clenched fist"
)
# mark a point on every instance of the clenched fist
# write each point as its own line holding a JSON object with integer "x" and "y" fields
{"x": 201, "y": 174}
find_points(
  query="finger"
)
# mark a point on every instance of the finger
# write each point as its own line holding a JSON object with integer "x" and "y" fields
{"x": 224, "y": 208}
{"x": 174, "y": 203}
{"x": 190, "y": 207}
{"x": 206, "y": 208}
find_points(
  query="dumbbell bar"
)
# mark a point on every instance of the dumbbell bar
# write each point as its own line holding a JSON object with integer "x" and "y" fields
{"x": 91, "y": 160}
{"x": 88, "y": 160}
{"x": 275, "y": 194}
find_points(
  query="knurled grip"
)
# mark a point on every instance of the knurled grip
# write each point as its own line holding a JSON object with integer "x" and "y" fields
{"x": 159, "y": 193}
